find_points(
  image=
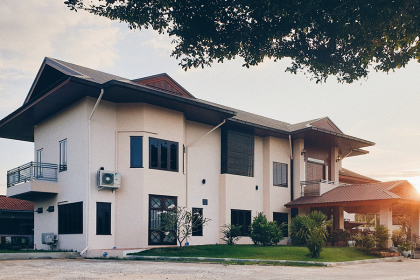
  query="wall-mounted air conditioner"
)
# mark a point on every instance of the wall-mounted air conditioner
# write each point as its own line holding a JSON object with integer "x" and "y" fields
{"x": 108, "y": 179}
{"x": 49, "y": 238}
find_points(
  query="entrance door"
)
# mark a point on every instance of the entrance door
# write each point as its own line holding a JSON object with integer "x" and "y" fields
{"x": 158, "y": 205}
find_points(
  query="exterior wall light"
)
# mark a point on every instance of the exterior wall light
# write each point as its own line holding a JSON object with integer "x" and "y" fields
{"x": 338, "y": 159}
{"x": 303, "y": 152}
{"x": 256, "y": 187}
{"x": 203, "y": 181}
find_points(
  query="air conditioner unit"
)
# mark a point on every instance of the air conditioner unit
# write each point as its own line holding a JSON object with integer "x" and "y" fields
{"x": 108, "y": 179}
{"x": 49, "y": 238}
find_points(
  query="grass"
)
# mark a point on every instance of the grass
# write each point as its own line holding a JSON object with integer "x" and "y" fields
{"x": 2, "y": 251}
{"x": 292, "y": 253}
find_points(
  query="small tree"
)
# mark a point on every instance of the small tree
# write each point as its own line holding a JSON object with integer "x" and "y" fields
{"x": 231, "y": 233}
{"x": 180, "y": 222}
{"x": 264, "y": 232}
{"x": 382, "y": 235}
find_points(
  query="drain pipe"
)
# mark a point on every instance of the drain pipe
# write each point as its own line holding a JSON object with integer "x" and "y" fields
{"x": 186, "y": 157}
{"x": 89, "y": 173}
{"x": 291, "y": 169}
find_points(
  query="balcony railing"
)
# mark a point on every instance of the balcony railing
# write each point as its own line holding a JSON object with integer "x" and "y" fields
{"x": 30, "y": 172}
{"x": 316, "y": 187}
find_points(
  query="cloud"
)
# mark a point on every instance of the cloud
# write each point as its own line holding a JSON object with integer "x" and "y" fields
{"x": 31, "y": 30}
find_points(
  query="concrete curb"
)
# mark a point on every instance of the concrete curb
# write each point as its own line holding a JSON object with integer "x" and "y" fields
{"x": 389, "y": 259}
{"x": 46, "y": 255}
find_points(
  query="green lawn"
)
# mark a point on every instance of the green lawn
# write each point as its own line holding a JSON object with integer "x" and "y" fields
{"x": 292, "y": 253}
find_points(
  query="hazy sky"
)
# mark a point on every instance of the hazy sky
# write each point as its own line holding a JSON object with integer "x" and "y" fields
{"x": 385, "y": 108}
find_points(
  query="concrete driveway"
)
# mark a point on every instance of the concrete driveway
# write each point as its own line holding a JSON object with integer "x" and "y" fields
{"x": 109, "y": 269}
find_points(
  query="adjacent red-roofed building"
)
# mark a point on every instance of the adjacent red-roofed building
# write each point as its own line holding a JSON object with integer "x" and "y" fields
{"x": 16, "y": 222}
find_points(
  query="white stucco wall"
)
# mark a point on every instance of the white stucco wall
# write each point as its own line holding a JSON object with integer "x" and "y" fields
{"x": 70, "y": 123}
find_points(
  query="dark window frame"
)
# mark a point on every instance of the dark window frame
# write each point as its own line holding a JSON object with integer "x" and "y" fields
{"x": 237, "y": 152}
{"x": 198, "y": 230}
{"x": 242, "y": 218}
{"x": 134, "y": 157}
{"x": 280, "y": 174}
{"x": 279, "y": 218}
{"x": 171, "y": 164}
{"x": 103, "y": 218}
{"x": 163, "y": 207}
{"x": 70, "y": 218}
{"x": 63, "y": 155}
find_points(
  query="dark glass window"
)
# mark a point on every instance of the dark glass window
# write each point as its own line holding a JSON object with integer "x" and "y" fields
{"x": 163, "y": 154}
{"x": 237, "y": 153}
{"x": 281, "y": 218}
{"x": 63, "y": 155}
{"x": 70, "y": 218}
{"x": 241, "y": 218}
{"x": 158, "y": 206}
{"x": 103, "y": 218}
{"x": 136, "y": 151}
{"x": 197, "y": 229}
{"x": 279, "y": 174}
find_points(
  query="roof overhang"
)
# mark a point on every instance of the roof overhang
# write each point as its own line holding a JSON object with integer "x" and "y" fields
{"x": 348, "y": 145}
{"x": 19, "y": 125}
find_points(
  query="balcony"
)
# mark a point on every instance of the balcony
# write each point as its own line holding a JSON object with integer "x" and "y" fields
{"x": 316, "y": 187}
{"x": 32, "y": 181}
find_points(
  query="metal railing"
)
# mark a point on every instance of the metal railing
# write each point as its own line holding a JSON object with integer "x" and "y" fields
{"x": 313, "y": 187}
{"x": 30, "y": 172}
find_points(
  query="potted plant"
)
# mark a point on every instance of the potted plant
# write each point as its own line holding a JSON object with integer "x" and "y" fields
{"x": 405, "y": 248}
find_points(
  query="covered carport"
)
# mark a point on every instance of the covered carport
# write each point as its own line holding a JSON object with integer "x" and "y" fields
{"x": 387, "y": 199}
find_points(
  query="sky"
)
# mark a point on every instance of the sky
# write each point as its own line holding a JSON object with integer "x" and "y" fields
{"x": 384, "y": 108}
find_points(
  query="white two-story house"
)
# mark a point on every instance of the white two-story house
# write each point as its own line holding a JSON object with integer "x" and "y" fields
{"x": 156, "y": 145}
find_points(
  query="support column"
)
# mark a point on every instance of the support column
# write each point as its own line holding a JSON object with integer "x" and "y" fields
{"x": 335, "y": 166}
{"x": 298, "y": 167}
{"x": 338, "y": 217}
{"x": 385, "y": 218}
{"x": 415, "y": 221}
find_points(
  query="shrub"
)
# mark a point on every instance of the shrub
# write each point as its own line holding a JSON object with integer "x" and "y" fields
{"x": 231, "y": 233}
{"x": 315, "y": 240}
{"x": 398, "y": 237}
{"x": 298, "y": 231}
{"x": 404, "y": 246}
{"x": 264, "y": 232}
{"x": 382, "y": 235}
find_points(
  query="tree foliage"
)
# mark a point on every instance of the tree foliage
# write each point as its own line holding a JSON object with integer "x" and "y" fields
{"x": 322, "y": 37}
{"x": 263, "y": 232}
{"x": 180, "y": 222}
{"x": 231, "y": 233}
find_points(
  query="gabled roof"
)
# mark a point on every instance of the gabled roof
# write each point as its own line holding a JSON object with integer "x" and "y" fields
{"x": 362, "y": 192}
{"x": 59, "y": 84}
{"x": 14, "y": 204}
{"x": 164, "y": 82}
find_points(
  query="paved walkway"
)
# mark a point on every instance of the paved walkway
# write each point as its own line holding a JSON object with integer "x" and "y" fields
{"x": 110, "y": 269}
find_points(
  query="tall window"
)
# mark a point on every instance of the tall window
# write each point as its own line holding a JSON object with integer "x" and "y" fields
{"x": 163, "y": 154}
{"x": 237, "y": 153}
{"x": 70, "y": 218}
{"x": 197, "y": 229}
{"x": 158, "y": 206}
{"x": 38, "y": 168}
{"x": 279, "y": 174}
{"x": 241, "y": 218}
{"x": 281, "y": 218}
{"x": 136, "y": 151}
{"x": 63, "y": 155}
{"x": 103, "y": 218}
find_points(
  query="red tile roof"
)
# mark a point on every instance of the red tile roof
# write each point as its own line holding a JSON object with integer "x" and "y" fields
{"x": 362, "y": 192}
{"x": 8, "y": 203}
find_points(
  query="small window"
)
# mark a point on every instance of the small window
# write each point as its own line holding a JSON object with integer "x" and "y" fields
{"x": 163, "y": 154}
{"x": 237, "y": 153}
{"x": 38, "y": 164}
{"x": 197, "y": 229}
{"x": 279, "y": 174}
{"x": 241, "y": 218}
{"x": 281, "y": 218}
{"x": 136, "y": 151}
{"x": 103, "y": 218}
{"x": 70, "y": 218}
{"x": 63, "y": 155}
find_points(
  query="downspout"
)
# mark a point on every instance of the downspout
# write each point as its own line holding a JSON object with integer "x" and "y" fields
{"x": 291, "y": 168}
{"x": 186, "y": 157}
{"x": 89, "y": 173}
